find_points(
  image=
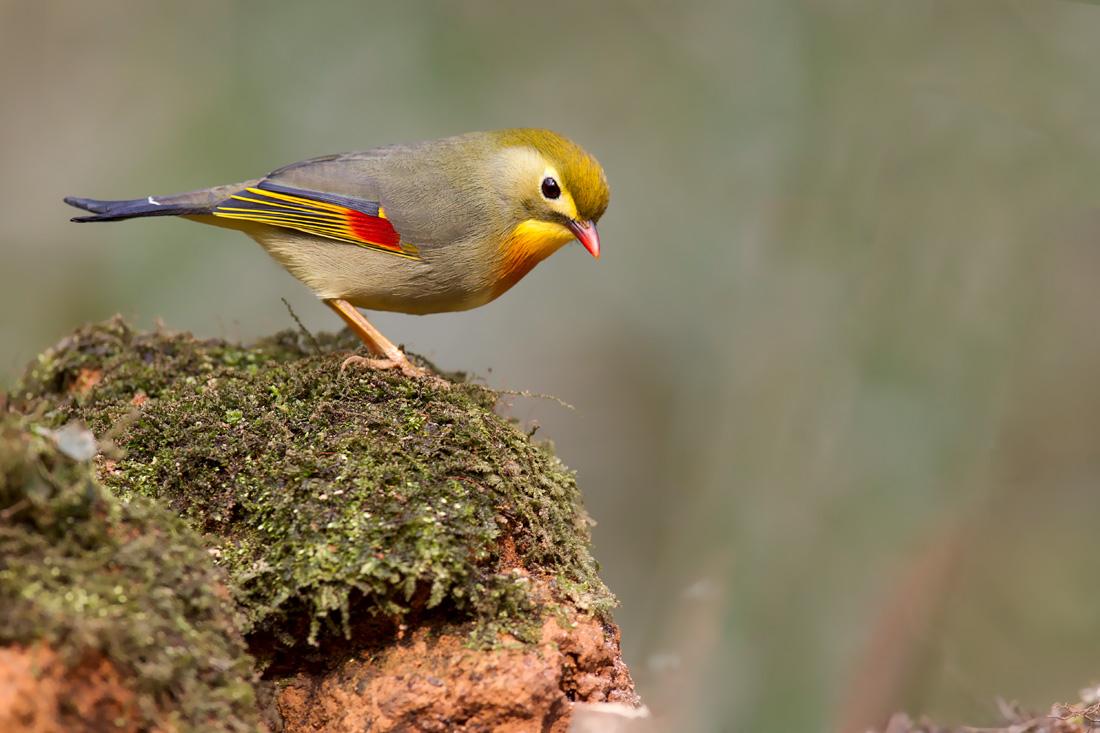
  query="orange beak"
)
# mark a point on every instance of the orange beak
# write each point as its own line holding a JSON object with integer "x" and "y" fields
{"x": 586, "y": 234}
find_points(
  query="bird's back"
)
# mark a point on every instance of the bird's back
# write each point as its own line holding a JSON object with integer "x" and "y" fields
{"x": 428, "y": 193}
{"x": 428, "y": 190}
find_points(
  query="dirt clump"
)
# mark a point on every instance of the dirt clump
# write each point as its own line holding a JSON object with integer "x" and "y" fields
{"x": 433, "y": 681}
{"x": 346, "y": 549}
{"x": 39, "y": 693}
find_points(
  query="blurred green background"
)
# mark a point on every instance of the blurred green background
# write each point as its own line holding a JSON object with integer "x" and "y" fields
{"x": 837, "y": 376}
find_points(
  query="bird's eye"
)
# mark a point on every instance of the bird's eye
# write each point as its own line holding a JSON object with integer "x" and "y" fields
{"x": 550, "y": 188}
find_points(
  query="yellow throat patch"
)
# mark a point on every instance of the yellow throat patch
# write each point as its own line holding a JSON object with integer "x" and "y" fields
{"x": 531, "y": 242}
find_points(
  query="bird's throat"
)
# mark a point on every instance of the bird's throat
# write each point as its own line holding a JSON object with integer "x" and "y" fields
{"x": 528, "y": 244}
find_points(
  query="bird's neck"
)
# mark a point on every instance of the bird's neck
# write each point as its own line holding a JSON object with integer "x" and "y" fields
{"x": 528, "y": 244}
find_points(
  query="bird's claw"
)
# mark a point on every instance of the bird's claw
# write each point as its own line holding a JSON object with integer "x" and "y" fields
{"x": 406, "y": 367}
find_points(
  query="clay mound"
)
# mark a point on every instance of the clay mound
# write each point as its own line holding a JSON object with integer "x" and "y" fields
{"x": 435, "y": 682}
{"x": 398, "y": 555}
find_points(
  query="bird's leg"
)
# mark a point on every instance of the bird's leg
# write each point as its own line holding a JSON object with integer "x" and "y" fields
{"x": 386, "y": 355}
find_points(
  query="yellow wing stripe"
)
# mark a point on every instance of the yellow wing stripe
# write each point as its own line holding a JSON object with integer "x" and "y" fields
{"x": 298, "y": 200}
{"x": 328, "y": 234}
{"x": 269, "y": 219}
{"x": 314, "y": 215}
{"x": 342, "y": 235}
{"x": 310, "y": 216}
{"x": 285, "y": 221}
{"x": 302, "y": 209}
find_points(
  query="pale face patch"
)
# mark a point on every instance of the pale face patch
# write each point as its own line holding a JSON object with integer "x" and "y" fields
{"x": 564, "y": 204}
{"x": 523, "y": 169}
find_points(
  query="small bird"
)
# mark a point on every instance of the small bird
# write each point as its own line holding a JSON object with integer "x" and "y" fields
{"x": 429, "y": 227}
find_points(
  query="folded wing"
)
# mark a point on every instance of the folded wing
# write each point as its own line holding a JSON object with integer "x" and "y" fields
{"x": 340, "y": 218}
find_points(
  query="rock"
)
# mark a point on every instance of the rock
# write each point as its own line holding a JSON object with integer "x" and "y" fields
{"x": 397, "y": 553}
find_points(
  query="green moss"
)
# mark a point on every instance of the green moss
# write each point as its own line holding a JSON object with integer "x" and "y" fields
{"x": 90, "y": 575}
{"x": 331, "y": 498}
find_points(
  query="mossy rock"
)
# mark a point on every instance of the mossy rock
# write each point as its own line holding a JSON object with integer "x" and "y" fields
{"x": 125, "y": 586}
{"x": 333, "y": 499}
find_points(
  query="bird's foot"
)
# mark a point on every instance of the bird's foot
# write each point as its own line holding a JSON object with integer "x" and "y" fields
{"x": 400, "y": 362}
{"x": 384, "y": 362}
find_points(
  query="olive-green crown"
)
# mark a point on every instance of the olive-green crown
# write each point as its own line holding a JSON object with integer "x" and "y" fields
{"x": 583, "y": 176}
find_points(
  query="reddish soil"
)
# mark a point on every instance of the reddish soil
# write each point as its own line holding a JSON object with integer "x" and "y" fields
{"x": 38, "y": 694}
{"x": 435, "y": 682}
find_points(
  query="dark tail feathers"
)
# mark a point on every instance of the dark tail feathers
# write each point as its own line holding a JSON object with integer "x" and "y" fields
{"x": 131, "y": 208}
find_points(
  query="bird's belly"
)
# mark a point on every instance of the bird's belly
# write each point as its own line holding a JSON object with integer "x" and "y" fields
{"x": 378, "y": 280}
{"x": 419, "y": 304}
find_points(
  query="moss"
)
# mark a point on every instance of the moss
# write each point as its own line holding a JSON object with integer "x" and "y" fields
{"x": 91, "y": 576}
{"x": 331, "y": 498}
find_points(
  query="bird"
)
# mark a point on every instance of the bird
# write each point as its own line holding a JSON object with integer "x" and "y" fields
{"x": 428, "y": 227}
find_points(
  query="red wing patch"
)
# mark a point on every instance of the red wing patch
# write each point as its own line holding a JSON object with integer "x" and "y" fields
{"x": 341, "y": 218}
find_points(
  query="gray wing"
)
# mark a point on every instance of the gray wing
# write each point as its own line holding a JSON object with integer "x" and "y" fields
{"x": 426, "y": 189}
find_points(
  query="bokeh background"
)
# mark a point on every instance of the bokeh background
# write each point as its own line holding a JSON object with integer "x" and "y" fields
{"x": 836, "y": 379}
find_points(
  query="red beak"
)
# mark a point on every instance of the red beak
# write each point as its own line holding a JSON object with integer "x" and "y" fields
{"x": 586, "y": 234}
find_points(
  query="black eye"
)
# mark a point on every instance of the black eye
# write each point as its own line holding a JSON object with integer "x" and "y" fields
{"x": 550, "y": 188}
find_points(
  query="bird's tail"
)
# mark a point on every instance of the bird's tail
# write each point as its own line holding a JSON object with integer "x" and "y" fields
{"x": 193, "y": 203}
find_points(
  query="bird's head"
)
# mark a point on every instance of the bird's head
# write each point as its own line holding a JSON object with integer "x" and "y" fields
{"x": 551, "y": 189}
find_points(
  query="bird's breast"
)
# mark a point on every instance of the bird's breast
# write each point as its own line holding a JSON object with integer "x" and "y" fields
{"x": 528, "y": 244}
